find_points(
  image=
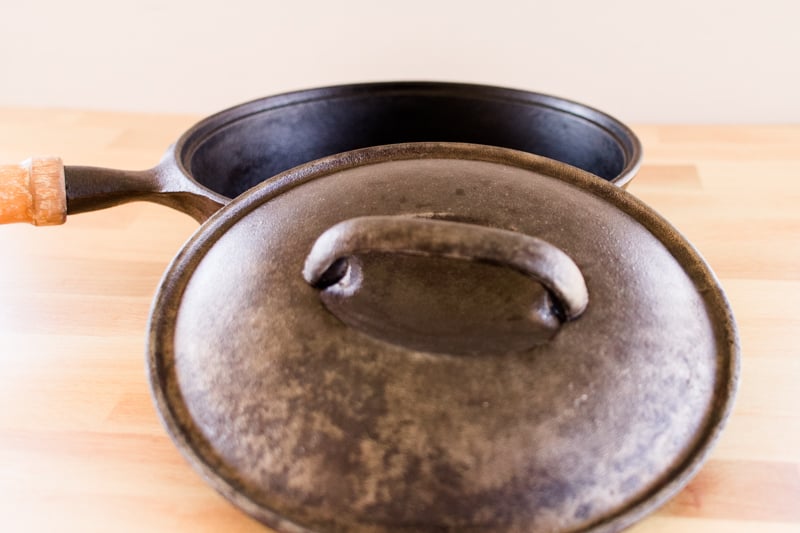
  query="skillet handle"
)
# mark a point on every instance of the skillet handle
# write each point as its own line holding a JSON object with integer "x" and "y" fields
{"x": 33, "y": 191}
{"x": 537, "y": 258}
{"x": 92, "y": 188}
{"x": 42, "y": 191}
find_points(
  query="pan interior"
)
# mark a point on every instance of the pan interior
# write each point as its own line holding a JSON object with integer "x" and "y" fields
{"x": 236, "y": 150}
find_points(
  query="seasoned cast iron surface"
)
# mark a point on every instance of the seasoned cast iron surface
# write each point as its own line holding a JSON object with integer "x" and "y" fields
{"x": 309, "y": 424}
{"x": 242, "y": 147}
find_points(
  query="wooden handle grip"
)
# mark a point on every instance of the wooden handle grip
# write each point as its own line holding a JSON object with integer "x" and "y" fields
{"x": 33, "y": 191}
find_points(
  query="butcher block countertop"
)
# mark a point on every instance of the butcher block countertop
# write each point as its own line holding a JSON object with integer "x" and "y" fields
{"x": 81, "y": 446}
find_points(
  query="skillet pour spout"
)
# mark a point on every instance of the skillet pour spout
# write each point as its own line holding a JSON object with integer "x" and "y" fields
{"x": 226, "y": 154}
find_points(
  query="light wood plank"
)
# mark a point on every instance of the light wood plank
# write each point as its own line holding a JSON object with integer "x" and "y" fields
{"x": 81, "y": 446}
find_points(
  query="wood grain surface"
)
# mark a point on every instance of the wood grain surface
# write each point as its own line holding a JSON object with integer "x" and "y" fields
{"x": 81, "y": 447}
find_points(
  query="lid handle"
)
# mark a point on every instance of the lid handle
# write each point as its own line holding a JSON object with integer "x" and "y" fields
{"x": 537, "y": 258}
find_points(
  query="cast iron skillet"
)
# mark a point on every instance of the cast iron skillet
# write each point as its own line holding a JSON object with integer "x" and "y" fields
{"x": 230, "y": 152}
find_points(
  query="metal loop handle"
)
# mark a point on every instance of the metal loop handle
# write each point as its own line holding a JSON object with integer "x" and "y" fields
{"x": 537, "y": 258}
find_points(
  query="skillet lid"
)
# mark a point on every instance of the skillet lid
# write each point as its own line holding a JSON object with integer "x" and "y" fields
{"x": 436, "y": 337}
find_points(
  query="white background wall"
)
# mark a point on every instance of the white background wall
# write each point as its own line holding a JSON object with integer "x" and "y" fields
{"x": 667, "y": 61}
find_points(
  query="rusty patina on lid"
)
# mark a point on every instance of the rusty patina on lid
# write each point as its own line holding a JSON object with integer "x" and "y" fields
{"x": 314, "y": 410}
